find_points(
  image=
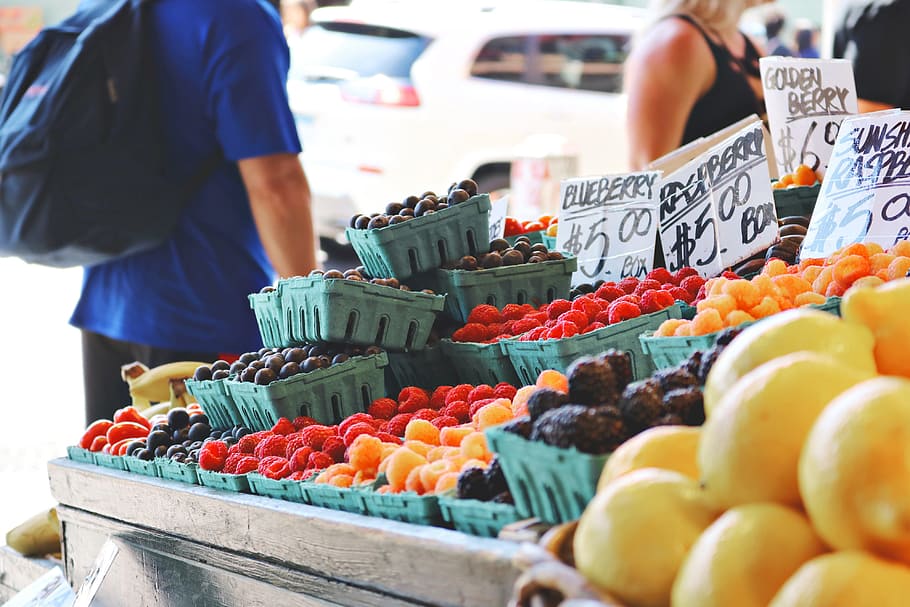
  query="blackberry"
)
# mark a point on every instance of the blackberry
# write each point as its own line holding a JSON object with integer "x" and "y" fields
{"x": 670, "y": 419}
{"x": 592, "y": 382}
{"x": 503, "y": 498}
{"x": 675, "y": 379}
{"x": 727, "y": 335}
{"x": 641, "y": 404}
{"x": 472, "y": 485}
{"x": 520, "y": 425}
{"x": 496, "y": 480}
{"x": 621, "y": 363}
{"x": 594, "y": 430}
{"x": 543, "y": 400}
{"x": 685, "y": 403}
{"x": 693, "y": 363}
{"x": 708, "y": 359}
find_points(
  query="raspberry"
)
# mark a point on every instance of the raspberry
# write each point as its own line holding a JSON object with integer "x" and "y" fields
{"x": 383, "y": 408}
{"x": 579, "y": 319}
{"x": 563, "y": 329}
{"x": 302, "y": 422}
{"x": 661, "y": 275}
{"x": 646, "y": 285}
{"x": 481, "y": 391}
{"x": 412, "y": 399}
{"x": 319, "y": 461}
{"x": 667, "y": 286}
{"x": 680, "y": 294}
{"x": 485, "y": 314}
{"x": 534, "y": 335}
{"x": 472, "y": 332}
{"x": 603, "y": 317}
{"x": 423, "y": 431}
{"x": 730, "y": 275}
{"x": 632, "y": 299}
{"x": 230, "y": 464}
{"x": 702, "y": 294}
{"x": 459, "y": 392}
{"x": 504, "y": 390}
{"x": 427, "y": 414}
{"x": 246, "y": 464}
{"x": 623, "y": 310}
{"x": 297, "y": 476}
{"x": 335, "y": 448}
{"x": 438, "y": 399}
{"x": 273, "y": 445}
{"x": 558, "y": 307}
{"x": 684, "y": 273}
{"x": 628, "y": 285}
{"x": 495, "y": 329}
{"x": 378, "y": 423}
{"x": 212, "y": 455}
{"x": 299, "y": 459}
{"x": 284, "y": 426}
{"x": 247, "y": 443}
{"x": 460, "y": 410}
{"x": 524, "y": 325}
{"x": 594, "y": 326}
{"x": 692, "y": 284}
{"x": 444, "y": 421}
{"x": 356, "y": 430}
{"x": 479, "y": 404}
{"x": 655, "y": 301}
{"x": 274, "y": 467}
{"x": 383, "y": 427}
{"x": 234, "y": 449}
{"x": 295, "y": 441}
{"x": 609, "y": 292}
{"x": 398, "y": 424}
{"x": 357, "y": 418}
{"x": 586, "y": 306}
{"x": 315, "y": 436}
{"x": 512, "y": 312}
{"x": 508, "y": 326}
{"x": 388, "y": 438}
{"x": 541, "y": 317}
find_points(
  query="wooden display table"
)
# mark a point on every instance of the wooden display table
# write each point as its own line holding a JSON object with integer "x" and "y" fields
{"x": 190, "y": 545}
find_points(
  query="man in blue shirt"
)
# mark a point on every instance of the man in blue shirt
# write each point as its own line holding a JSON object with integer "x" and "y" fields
{"x": 222, "y": 65}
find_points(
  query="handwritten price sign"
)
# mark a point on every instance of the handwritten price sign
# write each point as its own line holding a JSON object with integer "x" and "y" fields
{"x": 866, "y": 194}
{"x": 610, "y": 224}
{"x": 498, "y": 213}
{"x": 806, "y": 99}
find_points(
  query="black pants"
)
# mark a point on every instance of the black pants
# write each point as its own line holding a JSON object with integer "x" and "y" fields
{"x": 102, "y": 357}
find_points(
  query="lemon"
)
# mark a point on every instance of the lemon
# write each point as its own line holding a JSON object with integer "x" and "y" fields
{"x": 745, "y": 556}
{"x": 790, "y": 331}
{"x": 883, "y": 309}
{"x": 664, "y": 447}
{"x": 854, "y": 472}
{"x": 750, "y": 446}
{"x": 846, "y": 579}
{"x": 635, "y": 534}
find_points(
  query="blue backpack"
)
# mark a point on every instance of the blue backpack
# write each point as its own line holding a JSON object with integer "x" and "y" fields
{"x": 82, "y": 151}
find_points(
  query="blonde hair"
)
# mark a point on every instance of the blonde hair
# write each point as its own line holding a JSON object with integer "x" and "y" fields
{"x": 717, "y": 14}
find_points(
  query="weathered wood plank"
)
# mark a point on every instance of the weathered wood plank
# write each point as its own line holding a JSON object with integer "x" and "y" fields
{"x": 17, "y": 571}
{"x": 422, "y": 564}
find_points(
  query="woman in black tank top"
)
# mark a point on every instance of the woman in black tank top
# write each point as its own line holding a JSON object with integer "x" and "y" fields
{"x": 690, "y": 75}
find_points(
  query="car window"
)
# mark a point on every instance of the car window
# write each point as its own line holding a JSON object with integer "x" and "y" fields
{"x": 503, "y": 59}
{"x": 338, "y": 51}
{"x": 585, "y": 62}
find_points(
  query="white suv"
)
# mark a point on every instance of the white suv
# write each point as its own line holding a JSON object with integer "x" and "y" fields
{"x": 393, "y": 98}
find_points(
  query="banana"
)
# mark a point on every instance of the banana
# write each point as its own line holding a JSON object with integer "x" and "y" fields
{"x": 149, "y": 386}
{"x": 159, "y": 409}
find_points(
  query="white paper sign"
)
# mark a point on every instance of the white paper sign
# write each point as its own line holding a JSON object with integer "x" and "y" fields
{"x": 718, "y": 209}
{"x": 498, "y": 213}
{"x": 49, "y": 590}
{"x": 610, "y": 224}
{"x": 806, "y": 99}
{"x": 865, "y": 196}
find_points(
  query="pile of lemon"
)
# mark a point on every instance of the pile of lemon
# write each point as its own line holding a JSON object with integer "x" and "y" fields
{"x": 795, "y": 492}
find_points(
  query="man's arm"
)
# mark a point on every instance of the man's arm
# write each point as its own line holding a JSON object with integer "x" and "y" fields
{"x": 280, "y": 200}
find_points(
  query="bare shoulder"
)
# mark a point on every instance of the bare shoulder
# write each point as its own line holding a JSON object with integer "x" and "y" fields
{"x": 672, "y": 43}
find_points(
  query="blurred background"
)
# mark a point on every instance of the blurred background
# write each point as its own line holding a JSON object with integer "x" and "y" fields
{"x": 391, "y": 97}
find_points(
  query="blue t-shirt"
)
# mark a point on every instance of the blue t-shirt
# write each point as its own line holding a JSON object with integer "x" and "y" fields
{"x": 223, "y": 68}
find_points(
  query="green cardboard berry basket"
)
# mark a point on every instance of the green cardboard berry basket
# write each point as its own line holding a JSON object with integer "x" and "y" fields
{"x": 178, "y": 471}
{"x": 272, "y": 328}
{"x": 536, "y": 237}
{"x": 114, "y": 462}
{"x": 328, "y": 395}
{"x": 78, "y": 454}
{"x": 476, "y": 363}
{"x": 407, "y": 507}
{"x": 474, "y": 517}
{"x": 216, "y": 401}
{"x": 237, "y": 483}
{"x": 282, "y": 489}
{"x": 426, "y": 369}
{"x": 425, "y": 243}
{"x": 533, "y": 283}
{"x": 357, "y": 312}
{"x": 797, "y": 200}
{"x": 329, "y": 496}
{"x": 549, "y": 242}
{"x": 529, "y": 358}
{"x": 141, "y": 466}
{"x": 550, "y": 483}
